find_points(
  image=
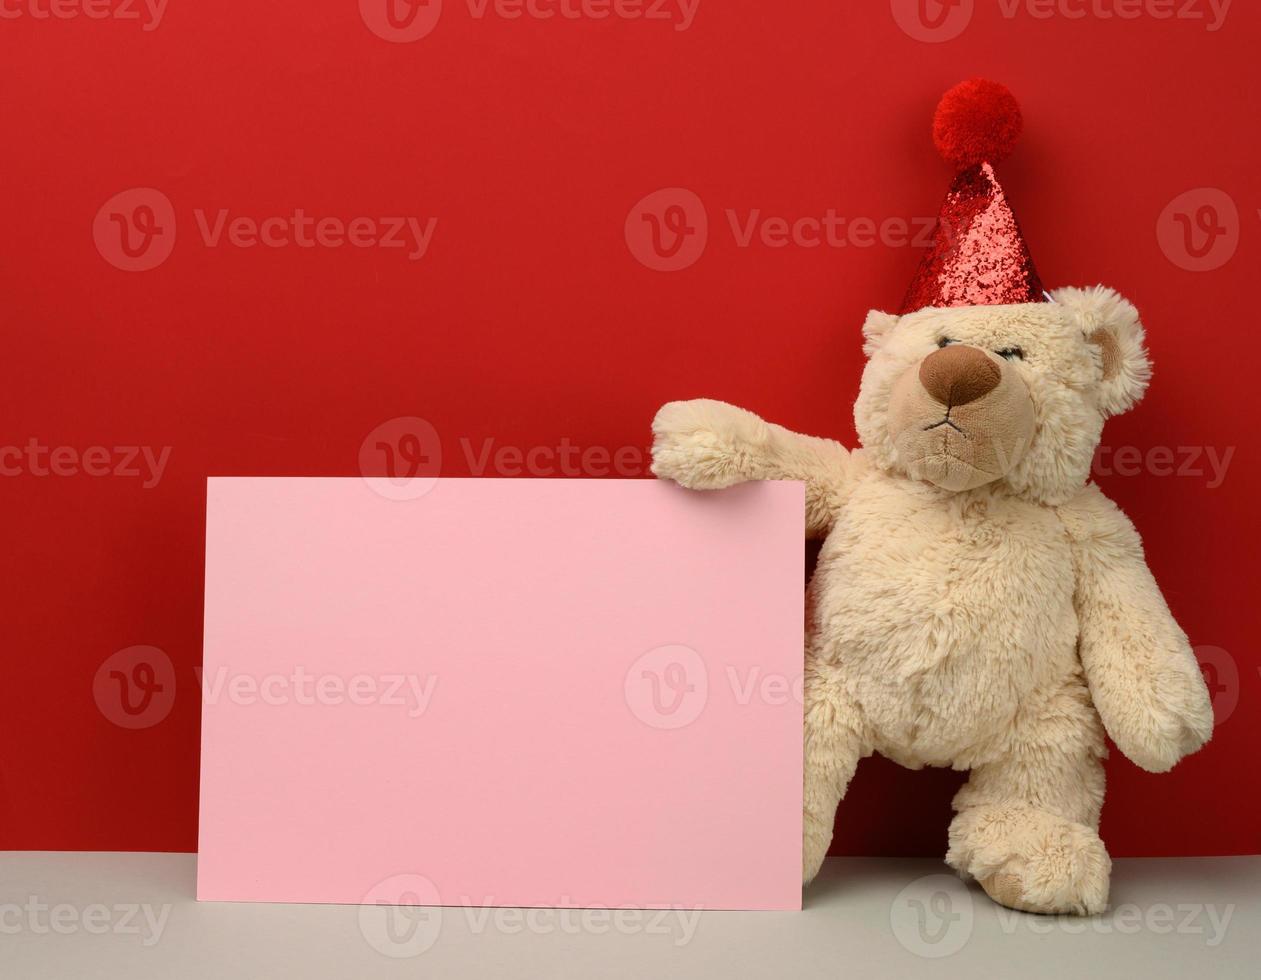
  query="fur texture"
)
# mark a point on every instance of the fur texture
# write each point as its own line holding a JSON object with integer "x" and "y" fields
{"x": 991, "y": 611}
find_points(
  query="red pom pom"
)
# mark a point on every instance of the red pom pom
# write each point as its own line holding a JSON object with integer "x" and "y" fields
{"x": 977, "y": 121}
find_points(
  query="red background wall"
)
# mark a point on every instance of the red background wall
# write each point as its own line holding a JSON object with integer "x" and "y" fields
{"x": 529, "y": 322}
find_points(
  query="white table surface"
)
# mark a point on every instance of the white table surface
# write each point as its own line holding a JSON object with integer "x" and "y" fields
{"x": 65, "y": 915}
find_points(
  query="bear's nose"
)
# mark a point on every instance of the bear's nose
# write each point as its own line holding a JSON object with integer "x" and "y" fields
{"x": 958, "y": 374}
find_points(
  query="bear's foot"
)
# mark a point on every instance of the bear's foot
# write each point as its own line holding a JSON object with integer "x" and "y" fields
{"x": 815, "y": 839}
{"x": 1031, "y": 860}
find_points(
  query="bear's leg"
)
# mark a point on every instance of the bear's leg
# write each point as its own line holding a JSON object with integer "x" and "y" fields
{"x": 833, "y": 745}
{"x": 1027, "y": 822}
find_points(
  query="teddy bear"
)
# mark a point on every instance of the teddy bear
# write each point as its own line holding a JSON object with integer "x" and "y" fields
{"x": 977, "y": 602}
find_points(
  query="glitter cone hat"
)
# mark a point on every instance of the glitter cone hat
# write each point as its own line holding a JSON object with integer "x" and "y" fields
{"x": 978, "y": 257}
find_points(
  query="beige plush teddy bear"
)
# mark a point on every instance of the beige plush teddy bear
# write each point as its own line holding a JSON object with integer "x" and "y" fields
{"x": 977, "y": 603}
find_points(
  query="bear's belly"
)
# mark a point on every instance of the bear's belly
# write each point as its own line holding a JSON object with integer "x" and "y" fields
{"x": 945, "y": 617}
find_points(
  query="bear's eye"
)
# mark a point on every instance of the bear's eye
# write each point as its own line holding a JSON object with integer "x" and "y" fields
{"x": 945, "y": 342}
{"x": 1011, "y": 352}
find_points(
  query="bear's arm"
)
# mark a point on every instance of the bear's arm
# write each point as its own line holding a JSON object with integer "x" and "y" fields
{"x": 707, "y": 445}
{"x": 1143, "y": 677}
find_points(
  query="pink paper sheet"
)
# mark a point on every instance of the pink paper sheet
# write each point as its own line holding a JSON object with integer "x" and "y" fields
{"x": 504, "y": 692}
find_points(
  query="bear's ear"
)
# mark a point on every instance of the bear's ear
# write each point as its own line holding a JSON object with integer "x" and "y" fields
{"x": 875, "y": 328}
{"x": 1110, "y": 321}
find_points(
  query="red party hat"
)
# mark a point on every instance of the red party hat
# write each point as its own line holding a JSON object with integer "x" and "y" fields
{"x": 978, "y": 256}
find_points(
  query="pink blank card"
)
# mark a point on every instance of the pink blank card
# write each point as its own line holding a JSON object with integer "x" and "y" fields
{"x": 502, "y": 692}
